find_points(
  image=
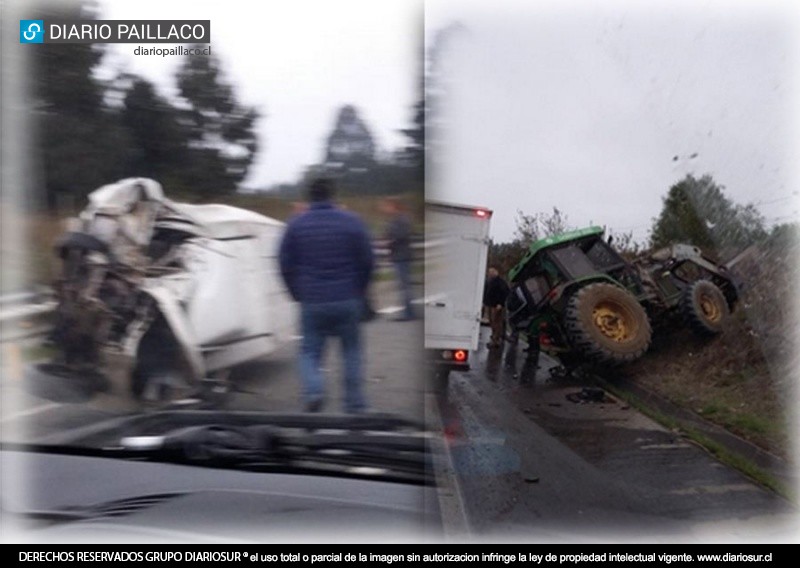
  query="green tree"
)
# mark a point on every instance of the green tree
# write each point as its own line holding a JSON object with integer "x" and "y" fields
{"x": 785, "y": 236}
{"x": 624, "y": 243}
{"x": 352, "y": 158}
{"x": 222, "y": 141}
{"x": 350, "y": 146}
{"x": 80, "y": 144}
{"x": 159, "y": 142}
{"x": 414, "y": 152}
{"x": 698, "y": 212}
{"x": 540, "y": 225}
{"x": 436, "y": 92}
{"x": 504, "y": 256}
{"x": 530, "y": 228}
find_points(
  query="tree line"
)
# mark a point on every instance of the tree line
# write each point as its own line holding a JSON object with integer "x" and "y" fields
{"x": 695, "y": 210}
{"x": 200, "y": 143}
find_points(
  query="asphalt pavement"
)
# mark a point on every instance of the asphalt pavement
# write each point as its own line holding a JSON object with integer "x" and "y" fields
{"x": 544, "y": 458}
{"x": 527, "y": 456}
{"x": 34, "y": 406}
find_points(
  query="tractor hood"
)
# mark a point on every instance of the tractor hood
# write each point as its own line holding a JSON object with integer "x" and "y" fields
{"x": 547, "y": 242}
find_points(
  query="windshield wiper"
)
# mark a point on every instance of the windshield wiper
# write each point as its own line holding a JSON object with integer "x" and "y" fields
{"x": 267, "y": 448}
{"x": 380, "y": 446}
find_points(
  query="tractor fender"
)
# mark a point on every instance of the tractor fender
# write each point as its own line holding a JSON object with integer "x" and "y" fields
{"x": 569, "y": 288}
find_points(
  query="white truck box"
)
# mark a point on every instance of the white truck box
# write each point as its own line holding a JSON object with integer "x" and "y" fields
{"x": 456, "y": 250}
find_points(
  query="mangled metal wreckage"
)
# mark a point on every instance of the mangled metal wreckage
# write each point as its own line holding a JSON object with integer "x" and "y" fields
{"x": 161, "y": 298}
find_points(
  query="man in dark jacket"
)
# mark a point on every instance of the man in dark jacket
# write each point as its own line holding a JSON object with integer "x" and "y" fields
{"x": 398, "y": 238}
{"x": 326, "y": 261}
{"x": 494, "y": 298}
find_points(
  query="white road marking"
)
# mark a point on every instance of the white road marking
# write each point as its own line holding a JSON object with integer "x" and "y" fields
{"x": 390, "y": 310}
{"x": 31, "y": 411}
{"x": 394, "y": 309}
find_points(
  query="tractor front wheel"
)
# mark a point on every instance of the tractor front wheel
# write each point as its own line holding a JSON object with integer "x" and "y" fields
{"x": 705, "y": 308}
{"x": 606, "y": 324}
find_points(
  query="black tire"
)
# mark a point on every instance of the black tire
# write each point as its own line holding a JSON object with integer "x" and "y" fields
{"x": 158, "y": 377}
{"x": 216, "y": 391}
{"x": 441, "y": 381}
{"x": 705, "y": 308}
{"x": 606, "y": 325}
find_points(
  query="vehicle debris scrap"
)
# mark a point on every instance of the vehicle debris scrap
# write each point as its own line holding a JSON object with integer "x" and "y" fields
{"x": 590, "y": 395}
{"x": 159, "y": 296}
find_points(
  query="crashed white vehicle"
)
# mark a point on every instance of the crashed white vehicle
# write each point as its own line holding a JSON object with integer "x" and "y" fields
{"x": 160, "y": 298}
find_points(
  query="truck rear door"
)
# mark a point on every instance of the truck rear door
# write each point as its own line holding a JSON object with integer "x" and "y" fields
{"x": 455, "y": 270}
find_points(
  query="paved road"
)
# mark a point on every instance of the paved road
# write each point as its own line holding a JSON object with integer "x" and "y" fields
{"x": 531, "y": 461}
{"x": 534, "y": 459}
{"x": 33, "y": 407}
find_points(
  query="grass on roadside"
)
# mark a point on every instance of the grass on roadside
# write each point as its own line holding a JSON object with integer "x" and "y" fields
{"x": 726, "y": 380}
{"x": 716, "y": 449}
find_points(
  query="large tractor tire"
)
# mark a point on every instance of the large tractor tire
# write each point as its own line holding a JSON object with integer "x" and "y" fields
{"x": 705, "y": 308}
{"x": 606, "y": 324}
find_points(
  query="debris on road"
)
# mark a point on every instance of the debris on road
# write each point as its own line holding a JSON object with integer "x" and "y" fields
{"x": 589, "y": 394}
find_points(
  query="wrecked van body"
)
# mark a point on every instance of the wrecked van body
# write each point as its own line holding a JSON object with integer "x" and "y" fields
{"x": 160, "y": 298}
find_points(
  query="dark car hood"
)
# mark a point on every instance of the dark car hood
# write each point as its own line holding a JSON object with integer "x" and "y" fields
{"x": 62, "y": 498}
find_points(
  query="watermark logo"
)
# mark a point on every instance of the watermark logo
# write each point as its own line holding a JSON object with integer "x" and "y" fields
{"x": 31, "y": 31}
{"x": 115, "y": 31}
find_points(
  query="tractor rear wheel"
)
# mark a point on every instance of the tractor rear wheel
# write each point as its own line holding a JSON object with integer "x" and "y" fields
{"x": 606, "y": 324}
{"x": 705, "y": 308}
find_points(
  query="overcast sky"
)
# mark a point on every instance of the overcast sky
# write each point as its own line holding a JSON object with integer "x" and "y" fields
{"x": 298, "y": 62}
{"x": 584, "y": 106}
{"x": 578, "y": 105}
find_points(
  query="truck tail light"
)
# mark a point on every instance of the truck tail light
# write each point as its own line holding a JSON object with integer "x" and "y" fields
{"x": 457, "y": 355}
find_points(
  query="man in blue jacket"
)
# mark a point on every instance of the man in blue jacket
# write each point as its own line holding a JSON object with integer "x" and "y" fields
{"x": 326, "y": 260}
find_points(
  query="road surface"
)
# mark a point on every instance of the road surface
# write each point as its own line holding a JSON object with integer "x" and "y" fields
{"x": 530, "y": 458}
{"x": 543, "y": 459}
{"x": 35, "y": 406}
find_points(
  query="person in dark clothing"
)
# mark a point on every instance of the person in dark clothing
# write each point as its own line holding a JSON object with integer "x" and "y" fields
{"x": 398, "y": 237}
{"x": 494, "y": 298}
{"x": 326, "y": 261}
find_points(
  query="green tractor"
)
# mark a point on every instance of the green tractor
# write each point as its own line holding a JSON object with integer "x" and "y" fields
{"x": 580, "y": 298}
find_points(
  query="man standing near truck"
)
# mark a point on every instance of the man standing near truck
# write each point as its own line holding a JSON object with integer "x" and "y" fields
{"x": 326, "y": 261}
{"x": 398, "y": 239}
{"x": 494, "y": 299}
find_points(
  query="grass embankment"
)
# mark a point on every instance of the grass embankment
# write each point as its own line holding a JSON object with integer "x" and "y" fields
{"x": 744, "y": 379}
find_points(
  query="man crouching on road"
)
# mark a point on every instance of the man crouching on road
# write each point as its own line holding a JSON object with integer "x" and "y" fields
{"x": 326, "y": 261}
